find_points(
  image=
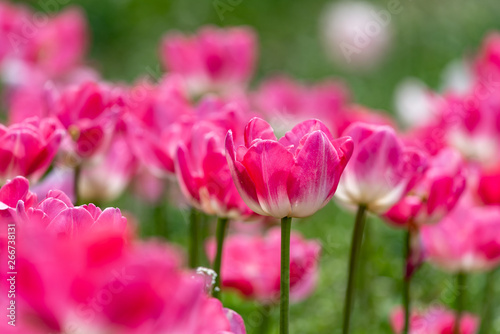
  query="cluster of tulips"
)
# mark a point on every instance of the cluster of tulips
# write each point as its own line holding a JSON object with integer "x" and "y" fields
{"x": 71, "y": 137}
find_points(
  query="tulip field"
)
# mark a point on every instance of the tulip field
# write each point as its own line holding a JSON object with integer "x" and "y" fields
{"x": 260, "y": 167}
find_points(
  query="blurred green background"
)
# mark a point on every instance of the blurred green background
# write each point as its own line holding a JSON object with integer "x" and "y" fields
{"x": 428, "y": 35}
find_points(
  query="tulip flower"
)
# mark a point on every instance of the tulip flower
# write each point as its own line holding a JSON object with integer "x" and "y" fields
{"x": 102, "y": 283}
{"x": 213, "y": 60}
{"x": 27, "y": 148}
{"x": 251, "y": 265}
{"x": 379, "y": 173}
{"x": 434, "y": 194}
{"x": 284, "y": 102}
{"x": 464, "y": 241}
{"x": 435, "y": 320}
{"x": 380, "y": 169}
{"x": 293, "y": 177}
{"x": 59, "y": 46}
{"x": 432, "y": 197}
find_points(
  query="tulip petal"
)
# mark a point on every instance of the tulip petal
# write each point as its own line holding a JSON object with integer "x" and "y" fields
{"x": 268, "y": 164}
{"x": 71, "y": 222}
{"x": 292, "y": 138}
{"x": 315, "y": 175}
{"x": 241, "y": 178}
{"x": 258, "y": 129}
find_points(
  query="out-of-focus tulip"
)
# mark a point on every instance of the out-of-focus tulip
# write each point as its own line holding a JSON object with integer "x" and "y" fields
{"x": 89, "y": 112}
{"x": 380, "y": 170}
{"x": 284, "y": 103}
{"x": 102, "y": 284}
{"x": 291, "y": 177}
{"x": 204, "y": 176}
{"x": 59, "y": 46}
{"x": 213, "y": 60}
{"x": 107, "y": 180}
{"x": 465, "y": 240}
{"x": 27, "y": 148}
{"x": 251, "y": 265}
{"x": 487, "y": 63}
{"x": 489, "y": 185}
{"x": 14, "y": 191}
{"x": 435, "y": 320}
{"x": 435, "y": 193}
{"x": 357, "y": 34}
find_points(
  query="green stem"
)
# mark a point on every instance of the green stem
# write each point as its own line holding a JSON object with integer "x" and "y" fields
{"x": 487, "y": 312}
{"x": 286, "y": 226}
{"x": 220, "y": 234}
{"x": 76, "y": 184}
{"x": 265, "y": 325}
{"x": 406, "y": 282}
{"x": 194, "y": 222}
{"x": 461, "y": 283}
{"x": 357, "y": 238}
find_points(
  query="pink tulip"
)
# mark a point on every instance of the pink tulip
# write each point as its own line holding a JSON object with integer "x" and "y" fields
{"x": 104, "y": 283}
{"x": 435, "y": 320}
{"x": 284, "y": 102}
{"x": 204, "y": 176}
{"x": 109, "y": 178}
{"x": 487, "y": 62}
{"x": 27, "y": 148}
{"x": 487, "y": 188}
{"x": 251, "y": 266}
{"x": 293, "y": 177}
{"x": 380, "y": 169}
{"x": 89, "y": 111}
{"x": 59, "y": 46}
{"x": 435, "y": 193}
{"x": 465, "y": 240}
{"x": 213, "y": 60}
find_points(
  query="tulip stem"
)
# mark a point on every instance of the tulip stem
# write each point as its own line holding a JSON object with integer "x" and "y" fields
{"x": 286, "y": 226}
{"x": 220, "y": 234}
{"x": 357, "y": 238}
{"x": 406, "y": 282}
{"x": 487, "y": 312}
{"x": 461, "y": 283}
{"x": 194, "y": 226}
{"x": 76, "y": 183}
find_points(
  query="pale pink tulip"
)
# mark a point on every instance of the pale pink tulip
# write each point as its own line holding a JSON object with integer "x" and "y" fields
{"x": 291, "y": 177}
{"x": 27, "y": 148}
{"x": 380, "y": 170}
{"x": 434, "y": 194}
{"x": 465, "y": 240}
{"x": 251, "y": 266}
{"x": 435, "y": 320}
{"x": 220, "y": 60}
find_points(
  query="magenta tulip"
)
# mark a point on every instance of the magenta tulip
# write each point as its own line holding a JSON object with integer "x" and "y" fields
{"x": 291, "y": 177}
{"x": 204, "y": 176}
{"x": 251, "y": 266}
{"x": 466, "y": 240}
{"x": 434, "y": 194}
{"x": 213, "y": 60}
{"x": 27, "y": 148}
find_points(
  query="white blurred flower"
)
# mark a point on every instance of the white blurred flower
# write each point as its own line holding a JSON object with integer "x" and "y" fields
{"x": 357, "y": 34}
